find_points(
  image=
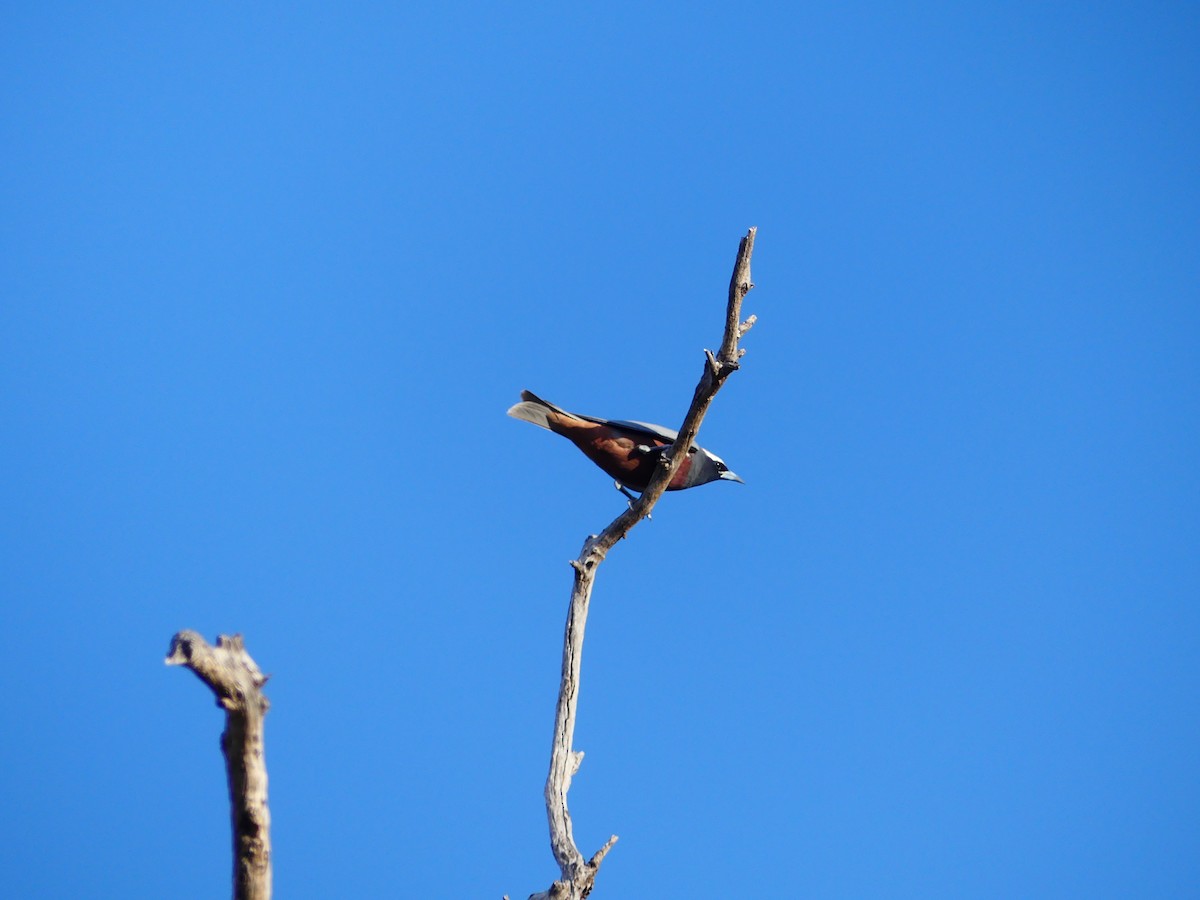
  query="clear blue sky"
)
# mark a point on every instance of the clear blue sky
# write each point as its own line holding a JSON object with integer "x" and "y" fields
{"x": 271, "y": 275}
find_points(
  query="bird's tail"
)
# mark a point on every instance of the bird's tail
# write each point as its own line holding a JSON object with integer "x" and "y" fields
{"x": 533, "y": 408}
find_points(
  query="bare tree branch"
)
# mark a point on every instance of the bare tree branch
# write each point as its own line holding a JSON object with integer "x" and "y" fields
{"x": 578, "y": 874}
{"x": 237, "y": 682}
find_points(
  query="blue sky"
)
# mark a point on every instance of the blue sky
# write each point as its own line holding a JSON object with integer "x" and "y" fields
{"x": 272, "y": 274}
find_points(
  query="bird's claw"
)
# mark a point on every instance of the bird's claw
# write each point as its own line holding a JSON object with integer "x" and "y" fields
{"x": 629, "y": 498}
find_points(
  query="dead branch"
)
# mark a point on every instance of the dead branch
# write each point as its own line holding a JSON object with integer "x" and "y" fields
{"x": 579, "y": 874}
{"x": 237, "y": 682}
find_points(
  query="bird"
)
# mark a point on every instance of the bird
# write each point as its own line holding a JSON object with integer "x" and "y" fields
{"x": 628, "y": 451}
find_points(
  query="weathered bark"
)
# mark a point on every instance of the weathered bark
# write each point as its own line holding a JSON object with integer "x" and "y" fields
{"x": 236, "y": 681}
{"x": 578, "y": 874}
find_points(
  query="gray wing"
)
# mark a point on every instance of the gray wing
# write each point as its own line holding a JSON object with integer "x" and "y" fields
{"x": 658, "y": 431}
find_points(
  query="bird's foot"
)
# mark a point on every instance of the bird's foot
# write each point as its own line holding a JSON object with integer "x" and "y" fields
{"x": 630, "y": 499}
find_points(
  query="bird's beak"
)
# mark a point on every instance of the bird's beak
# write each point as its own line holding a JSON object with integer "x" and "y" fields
{"x": 730, "y": 476}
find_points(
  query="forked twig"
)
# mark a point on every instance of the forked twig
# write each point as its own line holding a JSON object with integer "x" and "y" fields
{"x": 579, "y": 874}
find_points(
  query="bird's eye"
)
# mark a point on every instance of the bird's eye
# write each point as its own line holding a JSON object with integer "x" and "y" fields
{"x": 720, "y": 467}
